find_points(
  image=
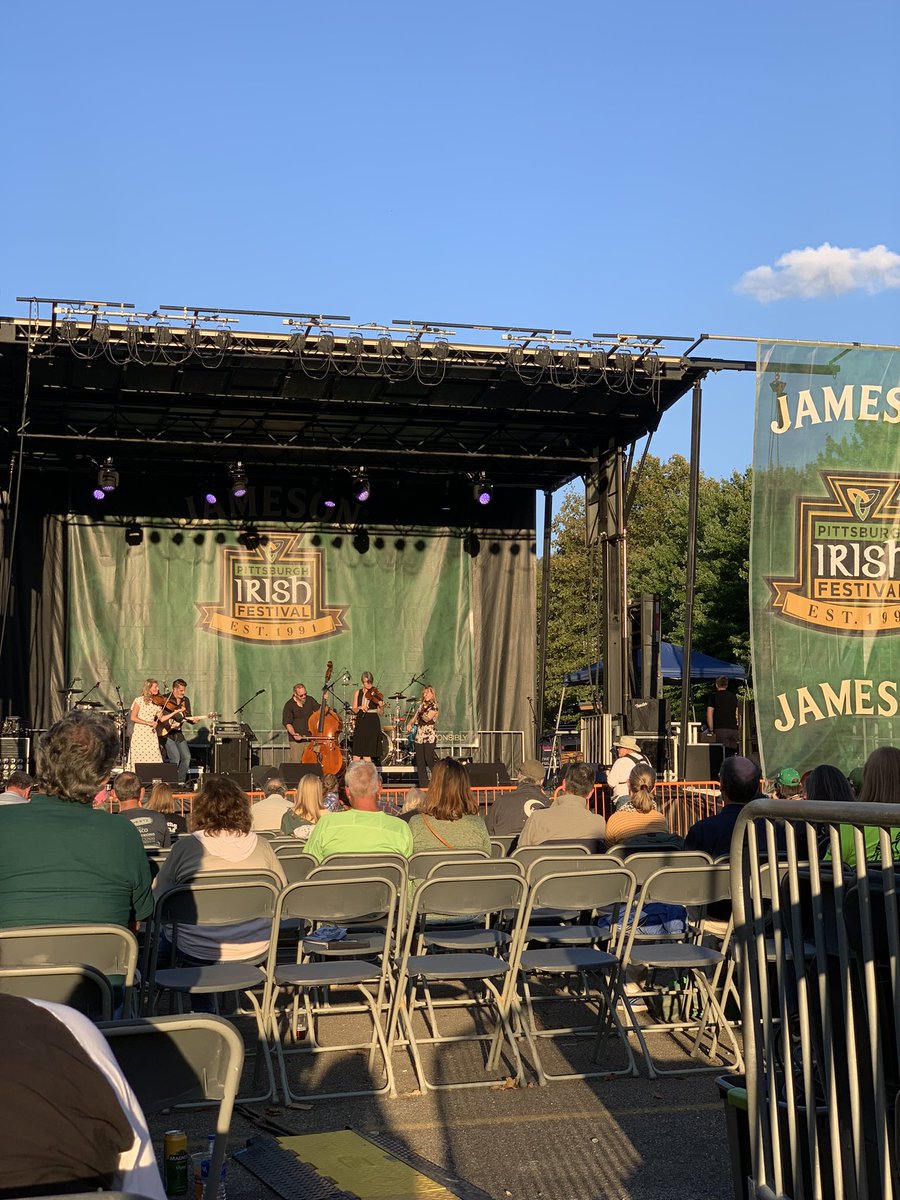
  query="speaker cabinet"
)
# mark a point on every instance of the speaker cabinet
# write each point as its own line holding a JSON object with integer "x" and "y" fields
{"x": 150, "y": 773}
{"x": 293, "y": 772}
{"x": 703, "y": 762}
{"x": 648, "y": 717}
{"x": 492, "y": 774}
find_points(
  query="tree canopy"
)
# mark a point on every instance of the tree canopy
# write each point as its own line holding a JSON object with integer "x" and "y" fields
{"x": 657, "y": 562}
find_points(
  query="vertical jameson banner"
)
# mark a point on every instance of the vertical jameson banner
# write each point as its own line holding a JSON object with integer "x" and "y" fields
{"x": 231, "y": 620}
{"x": 825, "y": 554}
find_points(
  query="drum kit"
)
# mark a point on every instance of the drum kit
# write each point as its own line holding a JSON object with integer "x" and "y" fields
{"x": 398, "y": 745}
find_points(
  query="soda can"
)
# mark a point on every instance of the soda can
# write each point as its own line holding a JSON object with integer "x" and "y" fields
{"x": 175, "y": 1162}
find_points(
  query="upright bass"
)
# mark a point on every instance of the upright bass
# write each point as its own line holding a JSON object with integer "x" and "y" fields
{"x": 324, "y": 730}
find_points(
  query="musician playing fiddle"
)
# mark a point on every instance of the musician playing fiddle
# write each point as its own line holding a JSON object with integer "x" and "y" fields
{"x": 368, "y": 705}
{"x": 424, "y": 719}
{"x": 295, "y": 719}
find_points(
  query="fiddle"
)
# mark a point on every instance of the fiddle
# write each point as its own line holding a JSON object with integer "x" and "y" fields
{"x": 372, "y": 695}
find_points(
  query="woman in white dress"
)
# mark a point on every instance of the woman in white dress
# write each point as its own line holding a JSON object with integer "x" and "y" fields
{"x": 144, "y": 716}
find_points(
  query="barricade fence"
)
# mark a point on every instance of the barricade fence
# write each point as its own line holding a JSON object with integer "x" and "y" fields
{"x": 817, "y": 928}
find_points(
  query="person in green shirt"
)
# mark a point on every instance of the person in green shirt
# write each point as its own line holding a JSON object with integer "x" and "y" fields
{"x": 364, "y": 829}
{"x": 63, "y": 862}
{"x": 880, "y": 785}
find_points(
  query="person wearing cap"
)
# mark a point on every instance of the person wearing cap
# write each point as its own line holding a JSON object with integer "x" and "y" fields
{"x": 628, "y": 756}
{"x": 511, "y": 810}
{"x": 855, "y": 779}
{"x": 788, "y": 784}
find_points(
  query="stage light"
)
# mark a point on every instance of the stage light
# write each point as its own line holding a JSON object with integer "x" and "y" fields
{"x": 355, "y": 345}
{"x": 98, "y": 494}
{"x": 543, "y": 356}
{"x": 599, "y": 360}
{"x": 326, "y": 342}
{"x": 361, "y": 488}
{"x": 569, "y": 359}
{"x": 239, "y": 483}
{"x": 249, "y": 537}
{"x": 163, "y": 334}
{"x": 385, "y": 345}
{"x": 361, "y": 541}
{"x": 329, "y": 501}
{"x": 192, "y": 337}
{"x": 108, "y": 477}
{"x": 222, "y": 339}
{"x": 440, "y": 349}
{"x": 100, "y": 333}
{"x": 297, "y": 342}
{"x": 482, "y": 490}
{"x": 134, "y": 535}
{"x": 515, "y": 355}
{"x": 412, "y": 349}
{"x": 210, "y": 498}
{"x": 68, "y": 330}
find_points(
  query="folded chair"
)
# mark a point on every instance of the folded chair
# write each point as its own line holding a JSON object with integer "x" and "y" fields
{"x": 320, "y": 972}
{"x": 693, "y": 888}
{"x": 597, "y": 970}
{"x": 182, "y": 1060}
{"x": 482, "y": 974}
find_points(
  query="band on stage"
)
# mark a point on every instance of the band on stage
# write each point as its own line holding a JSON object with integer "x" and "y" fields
{"x": 398, "y": 730}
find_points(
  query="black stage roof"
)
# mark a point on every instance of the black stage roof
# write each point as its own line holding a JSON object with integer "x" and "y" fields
{"x": 179, "y": 392}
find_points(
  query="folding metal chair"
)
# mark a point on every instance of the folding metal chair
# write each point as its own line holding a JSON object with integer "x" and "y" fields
{"x": 295, "y": 862}
{"x": 182, "y": 1060}
{"x": 598, "y": 970}
{"x": 559, "y": 926}
{"x": 217, "y": 902}
{"x": 421, "y": 862}
{"x": 319, "y": 971}
{"x": 81, "y": 987}
{"x": 693, "y": 888}
{"x": 501, "y": 845}
{"x": 527, "y": 854}
{"x": 110, "y": 949}
{"x": 471, "y": 897}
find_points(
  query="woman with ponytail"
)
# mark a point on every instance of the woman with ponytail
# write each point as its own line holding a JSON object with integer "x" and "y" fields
{"x": 640, "y": 815}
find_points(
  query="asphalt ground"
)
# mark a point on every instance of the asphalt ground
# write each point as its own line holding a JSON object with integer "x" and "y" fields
{"x": 624, "y": 1137}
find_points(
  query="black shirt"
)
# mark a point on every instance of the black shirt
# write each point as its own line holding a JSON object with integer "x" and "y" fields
{"x": 176, "y": 721}
{"x": 725, "y": 710}
{"x": 298, "y": 714}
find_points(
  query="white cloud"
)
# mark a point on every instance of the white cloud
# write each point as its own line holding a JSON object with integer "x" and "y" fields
{"x": 822, "y": 271}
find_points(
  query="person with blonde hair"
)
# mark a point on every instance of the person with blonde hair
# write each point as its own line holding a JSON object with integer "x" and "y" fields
{"x": 144, "y": 714}
{"x": 640, "y": 815}
{"x": 162, "y": 801}
{"x": 307, "y": 810}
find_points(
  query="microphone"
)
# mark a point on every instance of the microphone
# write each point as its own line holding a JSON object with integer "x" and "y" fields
{"x": 77, "y": 679}
{"x": 260, "y": 692}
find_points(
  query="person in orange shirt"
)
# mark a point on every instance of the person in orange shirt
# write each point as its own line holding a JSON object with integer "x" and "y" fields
{"x": 640, "y": 815}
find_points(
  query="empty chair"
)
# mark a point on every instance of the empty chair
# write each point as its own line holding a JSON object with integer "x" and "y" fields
{"x": 317, "y": 977}
{"x": 295, "y": 862}
{"x": 110, "y": 949}
{"x": 82, "y": 988}
{"x": 420, "y": 863}
{"x": 597, "y": 970}
{"x": 486, "y": 973}
{"x": 501, "y": 845}
{"x": 695, "y": 889}
{"x": 190, "y": 1059}
{"x": 527, "y": 854}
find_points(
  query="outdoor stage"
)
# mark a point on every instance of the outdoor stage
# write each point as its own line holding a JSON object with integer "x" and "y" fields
{"x": 258, "y": 590}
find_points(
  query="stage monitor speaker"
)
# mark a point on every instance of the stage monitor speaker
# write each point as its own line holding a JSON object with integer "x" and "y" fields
{"x": 656, "y": 750}
{"x": 703, "y": 762}
{"x": 293, "y": 772}
{"x": 150, "y": 773}
{"x": 493, "y": 774}
{"x": 259, "y": 774}
{"x": 241, "y": 778}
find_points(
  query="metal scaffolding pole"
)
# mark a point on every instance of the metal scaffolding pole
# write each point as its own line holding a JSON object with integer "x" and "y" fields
{"x": 693, "y": 505}
{"x": 545, "y": 616}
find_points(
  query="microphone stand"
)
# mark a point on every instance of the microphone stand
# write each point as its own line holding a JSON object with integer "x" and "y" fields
{"x": 84, "y": 695}
{"x": 238, "y": 711}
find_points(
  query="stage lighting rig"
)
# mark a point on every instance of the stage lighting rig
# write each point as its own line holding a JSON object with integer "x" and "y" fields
{"x": 108, "y": 477}
{"x": 134, "y": 535}
{"x": 482, "y": 489}
{"x": 362, "y": 489}
{"x": 239, "y": 481}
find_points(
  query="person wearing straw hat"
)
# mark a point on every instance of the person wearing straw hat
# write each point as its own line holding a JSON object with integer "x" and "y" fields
{"x": 628, "y": 756}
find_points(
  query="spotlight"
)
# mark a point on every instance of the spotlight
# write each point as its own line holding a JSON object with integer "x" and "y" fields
{"x": 163, "y": 334}
{"x": 68, "y": 330}
{"x": 222, "y": 339}
{"x": 385, "y": 345}
{"x": 134, "y": 535}
{"x": 210, "y": 498}
{"x": 412, "y": 348}
{"x": 297, "y": 342}
{"x": 239, "y": 482}
{"x": 440, "y": 349}
{"x": 569, "y": 359}
{"x": 599, "y": 360}
{"x": 482, "y": 490}
{"x": 98, "y": 494}
{"x": 361, "y": 541}
{"x": 543, "y": 356}
{"x": 355, "y": 345}
{"x": 108, "y": 477}
{"x": 192, "y": 337}
{"x": 515, "y": 355}
{"x": 100, "y": 333}
{"x": 361, "y": 487}
{"x": 326, "y": 342}
{"x": 329, "y": 500}
{"x": 249, "y": 537}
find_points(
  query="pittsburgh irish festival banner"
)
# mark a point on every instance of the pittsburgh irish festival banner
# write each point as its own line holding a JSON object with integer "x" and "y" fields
{"x": 825, "y": 554}
{"x": 232, "y": 620}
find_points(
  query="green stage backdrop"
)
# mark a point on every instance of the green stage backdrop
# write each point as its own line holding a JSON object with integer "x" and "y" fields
{"x": 825, "y": 554}
{"x": 231, "y": 620}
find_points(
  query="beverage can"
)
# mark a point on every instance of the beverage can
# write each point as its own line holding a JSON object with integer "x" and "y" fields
{"x": 176, "y": 1162}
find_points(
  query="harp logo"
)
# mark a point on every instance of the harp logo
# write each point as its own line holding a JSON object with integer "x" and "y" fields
{"x": 274, "y": 593}
{"x": 847, "y": 557}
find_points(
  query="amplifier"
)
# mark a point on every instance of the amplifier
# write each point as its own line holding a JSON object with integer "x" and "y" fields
{"x": 14, "y": 754}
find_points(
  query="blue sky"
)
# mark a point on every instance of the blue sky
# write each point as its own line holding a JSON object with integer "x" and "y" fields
{"x": 590, "y": 166}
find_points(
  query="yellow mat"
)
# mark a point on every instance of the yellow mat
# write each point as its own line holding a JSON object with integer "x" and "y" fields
{"x": 357, "y": 1166}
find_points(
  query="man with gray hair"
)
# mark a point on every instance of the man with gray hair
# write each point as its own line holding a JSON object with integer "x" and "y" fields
{"x": 364, "y": 829}
{"x": 266, "y": 814}
{"x": 569, "y": 817}
{"x": 61, "y": 860}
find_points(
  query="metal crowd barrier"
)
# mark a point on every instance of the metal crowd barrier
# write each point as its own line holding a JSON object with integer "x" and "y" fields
{"x": 818, "y": 946}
